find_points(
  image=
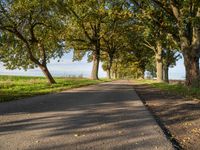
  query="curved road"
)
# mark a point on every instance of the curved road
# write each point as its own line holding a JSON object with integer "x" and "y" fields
{"x": 108, "y": 116}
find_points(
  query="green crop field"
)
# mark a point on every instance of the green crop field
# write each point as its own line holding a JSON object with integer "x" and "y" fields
{"x": 16, "y": 87}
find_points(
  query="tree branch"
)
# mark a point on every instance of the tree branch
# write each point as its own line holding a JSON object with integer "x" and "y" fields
{"x": 147, "y": 44}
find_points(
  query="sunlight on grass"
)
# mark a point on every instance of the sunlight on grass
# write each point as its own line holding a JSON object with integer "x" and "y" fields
{"x": 16, "y": 87}
{"x": 176, "y": 88}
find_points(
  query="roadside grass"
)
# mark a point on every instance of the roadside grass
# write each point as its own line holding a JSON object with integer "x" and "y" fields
{"x": 176, "y": 88}
{"x": 17, "y": 87}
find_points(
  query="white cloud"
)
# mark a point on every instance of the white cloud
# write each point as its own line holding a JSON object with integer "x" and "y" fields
{"x": 67, "y": 67}
{"x": 63, "y": 68}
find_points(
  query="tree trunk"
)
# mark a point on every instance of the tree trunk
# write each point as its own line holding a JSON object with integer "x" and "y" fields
{"x": 109, "y": 71}
{"x": 96, "y": 60}
{"x": 190, "y": 46}
{"x": 47, "y": 74}
{"x": 192, "y": 69}
{"x": 116, "y": 71}
{"x": 109, "y": 67}
{"x": 166, "y": 73}
{"x": 108, "y": 74}
{"x": 44, "y": 68}
{"x": 142, "y": 70}
{"x": 191, "y": 54}
{"x": 95, "y": 67}
{"x": 112, "y": 74}
{"x": 159, "y": 63}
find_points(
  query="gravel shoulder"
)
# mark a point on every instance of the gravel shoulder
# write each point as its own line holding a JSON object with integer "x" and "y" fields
{"x": 179, "y": 116}
{"x": 105, "y": 116}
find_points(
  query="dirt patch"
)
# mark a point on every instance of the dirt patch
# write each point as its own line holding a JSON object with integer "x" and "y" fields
{"x": 178, "y": 116}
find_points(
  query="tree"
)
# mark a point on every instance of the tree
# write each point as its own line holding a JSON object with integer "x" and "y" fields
{"x": 153, "y": 37}
{"x": 90, "y": 24}
{"x": 185, "y": 17}
{"x": 171, "y": 54}
{"x": 169, "y": 60}
{"x": 84, "y": 33}
{"x": 29, "y": 34}
{"x": 158, "y": 17}
{"x": 114, "y": 42}
{"x": 125, "y": 66}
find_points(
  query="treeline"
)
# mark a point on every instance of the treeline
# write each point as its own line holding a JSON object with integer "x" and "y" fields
{"x": 128, "y": 36}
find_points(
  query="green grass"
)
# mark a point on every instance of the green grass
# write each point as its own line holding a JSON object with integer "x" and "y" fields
{"x": 17, "y": 87}
{"x": 176, "y": 88}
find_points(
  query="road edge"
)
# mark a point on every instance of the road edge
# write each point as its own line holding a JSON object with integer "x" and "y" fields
{"x": 164, "y": 129}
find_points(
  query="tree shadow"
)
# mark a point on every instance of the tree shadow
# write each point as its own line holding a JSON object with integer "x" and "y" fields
{"x": 179, "y": 117}
{"x": 107, "y": 117}
{"x": 174, "y": 108}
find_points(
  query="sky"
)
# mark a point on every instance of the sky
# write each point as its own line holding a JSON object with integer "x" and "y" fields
{"x": 65, "y": 67}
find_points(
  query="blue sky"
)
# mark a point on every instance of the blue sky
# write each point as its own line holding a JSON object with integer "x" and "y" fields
{"x": 66, "y": 67}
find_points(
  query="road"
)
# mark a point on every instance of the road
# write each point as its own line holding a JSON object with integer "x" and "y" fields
{"x": 108, "y": 116}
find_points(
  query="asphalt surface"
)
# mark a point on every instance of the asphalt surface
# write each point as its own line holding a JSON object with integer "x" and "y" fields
{"x": 108, "y": 116}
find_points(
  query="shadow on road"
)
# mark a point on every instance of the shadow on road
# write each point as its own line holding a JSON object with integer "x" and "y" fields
{"x": 109, "y": 116}
{"x": 178, "y": 115}
{"x": 176, "y": 108}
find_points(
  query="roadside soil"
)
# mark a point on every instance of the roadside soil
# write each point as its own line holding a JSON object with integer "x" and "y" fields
{"x": 179, "y": 117}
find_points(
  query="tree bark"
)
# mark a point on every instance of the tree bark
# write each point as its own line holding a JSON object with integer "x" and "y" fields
{"x": 95, "y": 67}
{"x": 142, "y": 74}
{"x": 191, "y": 54}
{"x": 192, "y": 69}
{"x": 142, "y": 70}
{"x": 96, "y": 60}
{"x": 166, "y": 73}
{"x": 116, "y": 74}
{"x": 47, "y": 74}
{"x": 190, "y": 45}
{"x": 108, "y": 74}
{"x": 159, "y": 63}
{"x": 109, "y": 67}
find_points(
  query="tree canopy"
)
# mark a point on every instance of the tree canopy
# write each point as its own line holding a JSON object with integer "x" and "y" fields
{"x": 129, "y": 37}
{"x": 30, "y": 34}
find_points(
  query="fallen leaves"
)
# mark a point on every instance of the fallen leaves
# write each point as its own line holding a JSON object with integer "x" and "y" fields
{"x": 195, "y": 131}
{"x": 78, "y": 135}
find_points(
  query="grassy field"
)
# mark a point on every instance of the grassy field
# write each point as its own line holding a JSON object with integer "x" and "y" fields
{"x": 174, "y": 88}
{"x": 16, "y": 87}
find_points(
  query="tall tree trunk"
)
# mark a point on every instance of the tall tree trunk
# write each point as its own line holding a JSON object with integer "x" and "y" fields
{"x": 108, "y": 74}
{"x": 159, "y": 63}
{"x": 166, "y": 73}
{"x": 109, "y": 71}
{"x": 47, "y": 74}
{"x": 116, "y": 71}
{"x": 95, "y": 67}
{"x": 142, "y": 70}
{"x": 190, "y": 45}
{"x": 191, "y": 54}
{"x": 96, "y": 60}
{"x": 192, "y": 69}
{"x": 112, "y": 74}
{"x": 109, "y": 67}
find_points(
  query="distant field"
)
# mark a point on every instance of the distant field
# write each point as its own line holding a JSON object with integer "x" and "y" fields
{"x": 16, "y": 87}
{"x": 176, "y": 87}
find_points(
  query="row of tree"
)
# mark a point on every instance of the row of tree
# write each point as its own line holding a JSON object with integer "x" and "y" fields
{"x": 128, "y": 36}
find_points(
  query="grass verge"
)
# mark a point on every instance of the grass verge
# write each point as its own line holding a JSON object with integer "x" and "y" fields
{"x": 176, "y": 88}
{"x": 17, "y": 87}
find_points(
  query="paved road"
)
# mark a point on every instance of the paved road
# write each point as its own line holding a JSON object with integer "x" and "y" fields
{"x": 99, "y": 117}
